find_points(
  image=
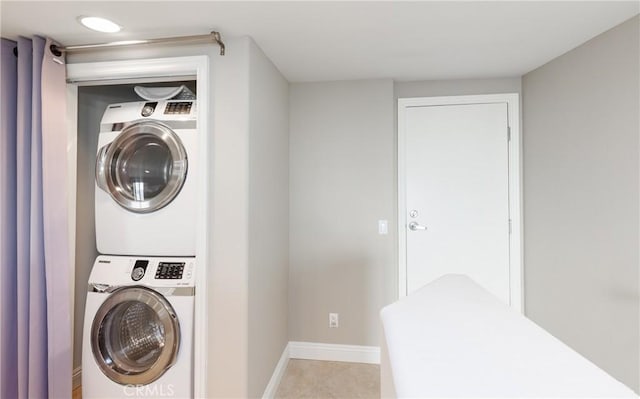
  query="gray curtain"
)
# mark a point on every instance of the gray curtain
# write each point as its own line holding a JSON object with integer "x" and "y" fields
{"x": 34, "y": 294}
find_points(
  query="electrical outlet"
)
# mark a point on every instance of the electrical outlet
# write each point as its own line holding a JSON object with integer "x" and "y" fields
{"x": 333, "y": 320}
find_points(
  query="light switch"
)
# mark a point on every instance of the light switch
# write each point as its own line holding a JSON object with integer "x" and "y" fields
{"x": 383, "y": 227}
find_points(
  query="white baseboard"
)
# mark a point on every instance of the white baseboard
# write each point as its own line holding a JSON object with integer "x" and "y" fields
{"x": 334, "y": 352}
{"x": 77, "y": 377}
{"x": 278, "y": 372}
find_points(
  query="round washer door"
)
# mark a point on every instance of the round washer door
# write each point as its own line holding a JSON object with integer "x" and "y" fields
{"x": 135, "y": 336}
{"x": 143, "y": 168}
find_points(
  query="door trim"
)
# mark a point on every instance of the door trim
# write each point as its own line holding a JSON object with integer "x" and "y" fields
{"x": 515, "y": 185}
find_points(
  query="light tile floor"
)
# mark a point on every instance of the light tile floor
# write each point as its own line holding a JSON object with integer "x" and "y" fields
{"x": 329, "y": 380}
{"x": 307, "y": 379}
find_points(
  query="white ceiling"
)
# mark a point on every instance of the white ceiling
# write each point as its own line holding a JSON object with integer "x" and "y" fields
{"x": 316, "y": 41}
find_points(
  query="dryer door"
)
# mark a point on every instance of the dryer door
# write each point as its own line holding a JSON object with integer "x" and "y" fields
{"x": 135, "y": 336}
{"x": 144, "y": 168}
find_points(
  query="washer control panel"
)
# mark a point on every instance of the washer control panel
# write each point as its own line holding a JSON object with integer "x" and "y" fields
{"x": 170, "y": 270}
{"x": 139, "y": 268}
{"x": 155, "y": 272}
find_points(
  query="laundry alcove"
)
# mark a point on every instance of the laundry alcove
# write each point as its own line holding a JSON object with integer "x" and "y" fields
{"x": 91, "y": 88}
{"x": 92, "y": 100}
{"x": 242, "y": 200}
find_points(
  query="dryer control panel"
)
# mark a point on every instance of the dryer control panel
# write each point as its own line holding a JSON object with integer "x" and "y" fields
{"x": 117, "y": 116}
{"x": 178, "y": 107}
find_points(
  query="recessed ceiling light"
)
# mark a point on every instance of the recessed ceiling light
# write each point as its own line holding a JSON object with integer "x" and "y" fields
{"x": 99, "y": 24}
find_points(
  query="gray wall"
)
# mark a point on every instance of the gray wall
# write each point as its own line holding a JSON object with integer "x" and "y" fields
{"x": 581, "y": 175}
{"x": 343, "y": 178}
{"x": 91, "y": 106}
{"x": 341, "y": 183}
{"x": 268, "y": 219}
{"x": 460, "y": 87}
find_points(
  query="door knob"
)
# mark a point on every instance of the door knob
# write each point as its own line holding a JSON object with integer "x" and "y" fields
{"x": 415, "y": 226}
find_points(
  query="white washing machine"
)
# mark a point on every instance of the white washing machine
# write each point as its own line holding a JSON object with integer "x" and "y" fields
{"x": 138, "y": 328}
{"x": 146, "y": 177}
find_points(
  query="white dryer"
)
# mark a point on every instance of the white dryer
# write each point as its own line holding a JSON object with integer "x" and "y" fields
{"x": 146, "y": 177}
{"x": 138, "y": 328}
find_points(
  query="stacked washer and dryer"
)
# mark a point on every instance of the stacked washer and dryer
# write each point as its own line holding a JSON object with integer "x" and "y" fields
{"x": 139, "y": 314}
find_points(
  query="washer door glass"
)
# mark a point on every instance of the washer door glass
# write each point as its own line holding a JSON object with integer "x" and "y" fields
{"x": 135, "y": 336}
{"x": 144, "y": 168}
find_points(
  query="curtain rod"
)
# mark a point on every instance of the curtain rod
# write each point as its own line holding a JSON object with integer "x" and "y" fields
{"x": 211, "y": 37}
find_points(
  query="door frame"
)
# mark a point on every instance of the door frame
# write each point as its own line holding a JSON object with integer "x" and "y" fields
{"x": 515, "y": 184}
{"x": 139, "y": 70}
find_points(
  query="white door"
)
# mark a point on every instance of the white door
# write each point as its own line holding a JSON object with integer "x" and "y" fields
{"x": 456, "y": 170}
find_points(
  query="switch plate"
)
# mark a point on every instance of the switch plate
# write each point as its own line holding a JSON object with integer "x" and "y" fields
{"x": 333, "y": 320}
{"x": 383, "y": 227}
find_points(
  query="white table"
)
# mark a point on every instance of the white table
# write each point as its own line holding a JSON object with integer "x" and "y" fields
{"x": 452, "y": 338}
